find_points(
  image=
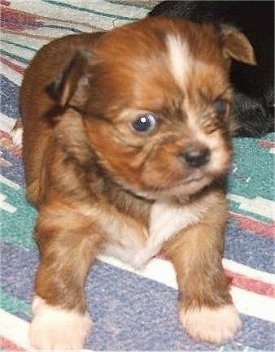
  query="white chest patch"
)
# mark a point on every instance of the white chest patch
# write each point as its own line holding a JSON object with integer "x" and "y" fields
{"x": 166, "y": 221}
{"x": 135, "y": 244}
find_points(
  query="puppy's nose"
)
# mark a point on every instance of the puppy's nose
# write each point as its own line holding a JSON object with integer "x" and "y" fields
{"x": 196, "y": 156}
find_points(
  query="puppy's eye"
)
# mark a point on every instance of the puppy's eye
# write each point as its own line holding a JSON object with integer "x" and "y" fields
{"x": 145, "y": 123}
{"x": 220, "y": 106}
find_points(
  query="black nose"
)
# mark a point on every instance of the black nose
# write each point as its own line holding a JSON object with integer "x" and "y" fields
{"x": 196, "y": 157}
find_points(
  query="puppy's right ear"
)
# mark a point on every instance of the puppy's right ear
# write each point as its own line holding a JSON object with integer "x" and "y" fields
{"x": 69, "y": 87}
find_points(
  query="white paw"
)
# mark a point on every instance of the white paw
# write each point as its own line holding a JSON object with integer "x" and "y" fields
{"x": 54, "y": 328}
{"x": 213, "y": 325}
{"x": 17, "y": 136}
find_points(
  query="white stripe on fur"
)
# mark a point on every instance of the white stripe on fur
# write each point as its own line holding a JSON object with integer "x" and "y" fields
{"x": 180, "y": 58}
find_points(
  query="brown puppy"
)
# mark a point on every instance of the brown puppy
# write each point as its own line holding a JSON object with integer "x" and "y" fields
{"x": 126, "y": 144}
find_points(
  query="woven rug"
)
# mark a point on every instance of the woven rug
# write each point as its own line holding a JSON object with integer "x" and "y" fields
{"x": 131, "y": 310}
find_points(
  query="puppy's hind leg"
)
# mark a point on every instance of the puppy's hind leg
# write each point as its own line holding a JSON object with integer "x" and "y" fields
{"x": 68, "y": 242}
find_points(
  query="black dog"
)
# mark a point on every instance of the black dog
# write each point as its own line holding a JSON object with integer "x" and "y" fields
{"x": 254, "y": 85}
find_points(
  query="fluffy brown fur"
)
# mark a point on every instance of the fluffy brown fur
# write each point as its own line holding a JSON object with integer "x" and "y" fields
{"x": 126, "y": 154}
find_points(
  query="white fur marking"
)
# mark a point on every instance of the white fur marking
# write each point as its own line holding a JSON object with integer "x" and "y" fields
{"x": 212, "y": 325}
{"x": 17, "y": 136}
{"x": 180, "y": 58}
{"x": 125, "y": 235}
{"x": 166, "y": 221}
{"x": 54, "y": 328}
{"x": 132, "y": 243}
{"x": 126, "y": 239}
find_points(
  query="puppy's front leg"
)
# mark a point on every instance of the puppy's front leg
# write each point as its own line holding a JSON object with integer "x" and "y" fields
{"x": 206, "y": 309}
{"x": 68, "y": 242}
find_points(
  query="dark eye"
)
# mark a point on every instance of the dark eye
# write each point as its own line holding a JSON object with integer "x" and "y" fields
{"x": 220, "y": 106}
{"x": 145, "y": 123}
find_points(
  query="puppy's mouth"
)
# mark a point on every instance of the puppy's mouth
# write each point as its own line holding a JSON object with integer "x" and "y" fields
{"x": 190, "y": 185}
{"x": 196, "y": 176}
{"x": 185, "y": 187}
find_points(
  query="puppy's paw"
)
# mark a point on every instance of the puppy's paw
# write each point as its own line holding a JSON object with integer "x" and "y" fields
{"x": 54, "y": 328}
{"x": 17, "y": 133}
{"x": 212, "y": 325}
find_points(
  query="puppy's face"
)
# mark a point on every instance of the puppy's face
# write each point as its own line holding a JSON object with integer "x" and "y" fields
{"x": 156, "y": 102}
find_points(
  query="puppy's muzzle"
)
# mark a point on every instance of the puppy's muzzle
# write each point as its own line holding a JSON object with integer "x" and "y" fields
{"x": 196, "y": 156}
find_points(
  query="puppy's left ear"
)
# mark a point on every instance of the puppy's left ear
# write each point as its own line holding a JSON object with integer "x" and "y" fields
{"x": 237, "y": 46}
{"x": 68, "y": 89}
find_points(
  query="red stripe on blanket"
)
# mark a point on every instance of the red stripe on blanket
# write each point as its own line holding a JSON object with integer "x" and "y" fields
{"x": 252, "y": 285}
{"x": 12, "y": 19}
{"x": 15, "y": 67}
{"x": 266, "y": 144}
{"x": 5, "y": 3}
{"x": 255, "y": 226}
{"x": 7, "y": 142}
{"x": 8, "y": 345}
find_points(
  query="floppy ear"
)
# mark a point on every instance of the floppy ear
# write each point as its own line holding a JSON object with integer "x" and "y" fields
{"x": 69, "y": 87}
{"x": 237, "y": 46}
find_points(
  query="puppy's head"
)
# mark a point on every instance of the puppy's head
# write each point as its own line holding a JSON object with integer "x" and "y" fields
{"x": 155, "y": 99}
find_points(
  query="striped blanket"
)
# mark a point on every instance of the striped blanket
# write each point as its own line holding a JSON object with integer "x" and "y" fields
{"x": 131, "y": 310}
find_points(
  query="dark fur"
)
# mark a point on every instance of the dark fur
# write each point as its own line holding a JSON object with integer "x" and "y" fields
{"x": 254, "y": 85}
